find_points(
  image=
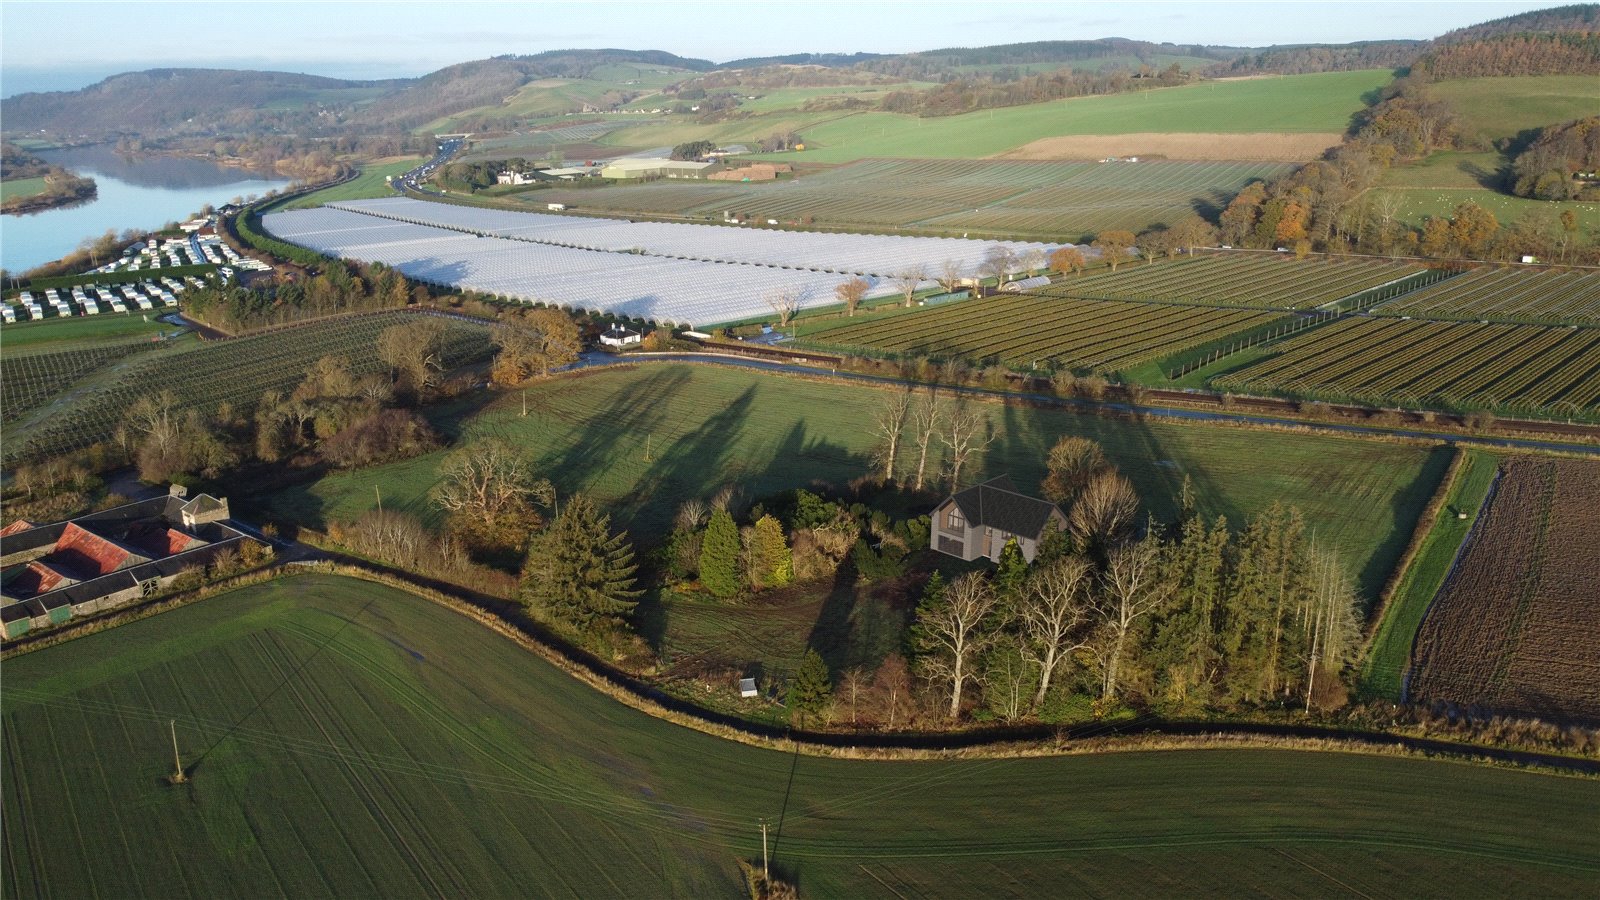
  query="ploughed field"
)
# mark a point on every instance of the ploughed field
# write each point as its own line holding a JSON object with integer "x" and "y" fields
{"x": 1055, "y": 200}
{"x": 1516, "y": 626}
{"x": 343, "y": 738}
{"x": 641, "y": 441}
{"x": 200, "y": 376}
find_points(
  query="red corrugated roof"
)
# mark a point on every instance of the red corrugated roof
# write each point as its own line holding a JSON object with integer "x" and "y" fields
{"x": 89, "y": 553}
{"x": 35, "y": 579}
{"x": 14, "y": 527}
{"x": 158, "y": 540}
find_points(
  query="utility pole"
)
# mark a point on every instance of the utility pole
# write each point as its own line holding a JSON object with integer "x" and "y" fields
{"x": 765, "y": 873}
{"x": 177, "y": 766}
{"x": 379, "y": 494}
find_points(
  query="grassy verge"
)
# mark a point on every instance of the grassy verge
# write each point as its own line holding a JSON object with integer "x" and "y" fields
{"x": 1383, "y": 672}
{"x": 50, "y": 335}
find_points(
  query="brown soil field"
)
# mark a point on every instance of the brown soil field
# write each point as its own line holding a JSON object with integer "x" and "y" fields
{"x": 1516, "y": 627}
{"x": 1271, "y": 145}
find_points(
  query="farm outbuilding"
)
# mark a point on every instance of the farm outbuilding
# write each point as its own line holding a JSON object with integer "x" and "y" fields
{"x": 747, "y": 688}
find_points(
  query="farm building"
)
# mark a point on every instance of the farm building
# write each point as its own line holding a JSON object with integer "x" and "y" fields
{"x": 978, "y": 521}
{"x": 569, "y": 173}
{"x": 1026, "y": 284}
{"x": 654, "y": 168}
{"x": 107, "y": 558}
{"x": 620, "y": 336}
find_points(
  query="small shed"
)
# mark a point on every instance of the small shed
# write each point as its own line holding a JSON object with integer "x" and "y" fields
{"x": 747, "y": 688}
{"x": 620, "y": 336}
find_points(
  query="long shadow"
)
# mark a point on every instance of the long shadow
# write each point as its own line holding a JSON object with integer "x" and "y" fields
{"x": 1404, "y": 509}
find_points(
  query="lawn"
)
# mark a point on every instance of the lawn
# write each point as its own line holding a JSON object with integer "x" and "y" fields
{"x": 368, "y": 185}
{"x": 21, "y": 187}
{"x": 346, "y": 739}
{"x": 1383, "y": 672}
{"x": 1296, "y": 103}
{"x": 1494, "y": 108}
{"x": 58, "y": 333}
{"x": 642, "y": 441}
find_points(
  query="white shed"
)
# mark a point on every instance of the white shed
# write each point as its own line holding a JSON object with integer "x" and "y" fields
{"x": 747, "y": 688}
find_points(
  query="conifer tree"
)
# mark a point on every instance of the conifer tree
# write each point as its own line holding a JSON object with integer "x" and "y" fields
{"x": 578, "y": 572}
{"x": 810, "y": 689}
{"x": 772, "y": 565}
{"x": 719, "y": 556}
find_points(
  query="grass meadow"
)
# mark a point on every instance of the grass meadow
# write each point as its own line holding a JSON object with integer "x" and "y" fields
{"x": 368, "y": 185}
{"x": 48, "y": 335}
{"x": 21, "y": 187}
{"x": 641, "y": 441}
{"x": 1294, "y": 103}
{"x": 346, "y": 739}
{"x": 1496, "y": 108}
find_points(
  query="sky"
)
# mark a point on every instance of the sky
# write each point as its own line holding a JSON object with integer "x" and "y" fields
{"x": 67, "y": 44}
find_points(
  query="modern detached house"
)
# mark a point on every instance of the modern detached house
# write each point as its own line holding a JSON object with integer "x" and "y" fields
{"x": 979, "y": 520}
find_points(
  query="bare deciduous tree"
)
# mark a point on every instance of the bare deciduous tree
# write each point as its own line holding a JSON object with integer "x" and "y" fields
{"x": 951, "y": 633}
{"x": 1104, "y": 512}
{"x": 926, "y": 418}
{"x": 998, "y": 262}
{"x": 1033, "y": 260}
{"x": 892, "y": 683}
{"x": 890, "y": 423}
{"x": 951, "y": 274}
{"x": 1072, "y": 464}
{"x": 966, "y": 432}
{"x": 1055, "y": 606}
{"x": 908, "y": 280}
{"x": 851, "y": 293}
{"x": 1331, "y": 621}
{"x": 1132, "y": 589}
{"x": 488, "y": 478}
{"x": 785, "y": 302}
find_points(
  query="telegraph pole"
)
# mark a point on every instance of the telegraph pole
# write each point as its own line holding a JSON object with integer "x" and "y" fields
{"x": 177, "y": 766}
{"x": 765, "y": 873}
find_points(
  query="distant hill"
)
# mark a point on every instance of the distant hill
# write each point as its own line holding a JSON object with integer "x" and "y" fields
{"x": 1577, "y": 17}
{"x": 160, "y": 101}
{"x": 831, "y": 60}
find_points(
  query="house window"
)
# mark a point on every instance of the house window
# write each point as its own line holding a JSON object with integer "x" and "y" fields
{"x": 954, "y": 519}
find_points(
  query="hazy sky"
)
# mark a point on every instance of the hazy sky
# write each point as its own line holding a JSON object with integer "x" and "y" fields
{"x": 63, "y": 44}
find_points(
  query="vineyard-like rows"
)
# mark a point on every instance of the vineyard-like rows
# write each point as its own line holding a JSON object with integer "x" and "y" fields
{"x": 1257, "y": 280}
{"x": 1507, "y": 295}
{"x": 29, "y": 381}
{"x": 1024, "y": 330}
{"x": 1515, "y": 626}
{"x": 1070, "y": 199}
{"x": 1388, "y": 360}
{"x": 236, "y": 371}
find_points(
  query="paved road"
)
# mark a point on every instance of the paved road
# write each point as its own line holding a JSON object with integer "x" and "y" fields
{"x": 592, "y": 359}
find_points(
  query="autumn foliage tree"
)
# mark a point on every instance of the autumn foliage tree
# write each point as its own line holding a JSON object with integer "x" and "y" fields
{"x": 1113, "y": 246}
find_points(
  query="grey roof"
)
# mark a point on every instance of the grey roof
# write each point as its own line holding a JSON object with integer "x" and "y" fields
{"x": 997, "y": 503}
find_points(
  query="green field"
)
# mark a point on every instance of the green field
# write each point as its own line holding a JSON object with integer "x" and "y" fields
{"x": 369, "y": 184}
{"x": 21, "y": 187}
{"x": 1495, "y": 108}
{"x": 641, "y": 441}
{"x": 1047, "y": 199}
{"x": 1383, "y": 671}
{"x": 555, "y": 96}
{"x": 1295, "y": 103}
{"x": 61, "y": 334}
{"x": 346, "y": 739}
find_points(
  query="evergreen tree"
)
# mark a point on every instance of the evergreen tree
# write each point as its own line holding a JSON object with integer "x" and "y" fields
{"x": 811, "y": 688}
{"x": 1011, "y": 573}
{"x": 719, "y": 556}
{"x": 771, "y": 563}
{"x": 577, "y": 572}
{"x": 1054, "y": 544}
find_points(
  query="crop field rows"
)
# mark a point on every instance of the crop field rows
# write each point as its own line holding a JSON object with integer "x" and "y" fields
{"x": 347, "y": 739}
{"x": 1068, "y": 199}
{"x": 1506, "y": 295}
{"x": 1515, "y": 626}
{"x": 236, "y": 372}
{"x": 1256, "y": 280}
{"x": 29, "y": 381}
{"x": 1388, "y": 360}
{"x": 1026, "y": 330}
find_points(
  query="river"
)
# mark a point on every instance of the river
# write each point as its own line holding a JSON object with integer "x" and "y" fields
{"x": 142, "y": 192}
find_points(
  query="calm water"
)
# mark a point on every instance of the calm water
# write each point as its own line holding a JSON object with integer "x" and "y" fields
{"x": 135, "y": 192}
